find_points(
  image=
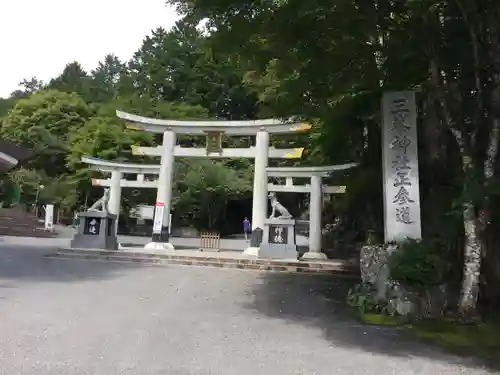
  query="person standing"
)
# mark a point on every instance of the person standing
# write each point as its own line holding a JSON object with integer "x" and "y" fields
{"x": 246, "y": 227}
{"x": 76, "y": 219}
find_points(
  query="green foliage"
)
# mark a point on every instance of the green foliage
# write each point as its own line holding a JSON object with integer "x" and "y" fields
{"x": 203, "y": 189}
{"x": 105, "y": 79}
{"x": 381, "y": 319}
{"x": 180, "y": 66}
{"x": 28, "y": 181}
{"x": 175, "y": 74}
{"x": 482, "y": 338}
{"x": 5, "y": 106}
{"x": 9, "y": 192}
{"x": 55, "y": 111}
{"x": 328, "y": 64}
{"x": 362, "y": 298}
{"x": 438, "y": 47}
{"x": 418, "y": 265}
{"x": 42, "y": 122}
{"x": 62, "y": 191}
{"x": 73, "y": 79}
{"x": 106, "y": 138}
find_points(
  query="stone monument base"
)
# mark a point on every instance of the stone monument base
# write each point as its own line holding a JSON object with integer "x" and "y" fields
{"x": 160, "y": 247}
{"x": 279, "y": 241}
{"x": 255, "y": 241}
{"x": 96, "y": 230}
{"x": 313, "y": 255}
{"x": 252, "y": 251}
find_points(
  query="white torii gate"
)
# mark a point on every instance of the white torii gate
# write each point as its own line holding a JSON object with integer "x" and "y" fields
{"x": 117, "y": 169}
{"x": 213, "y": 129}
{"x": 316, "y": 190}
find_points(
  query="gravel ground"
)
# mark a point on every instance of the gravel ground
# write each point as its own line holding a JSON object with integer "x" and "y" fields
{"x": 82, "y": 317}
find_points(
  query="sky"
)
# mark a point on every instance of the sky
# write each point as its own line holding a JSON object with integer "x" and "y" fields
{"x": 38, "y": 38}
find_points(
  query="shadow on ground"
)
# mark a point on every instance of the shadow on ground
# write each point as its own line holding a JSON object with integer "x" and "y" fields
{"x": 320, "y": 301}
{"x": 18, "y": 263}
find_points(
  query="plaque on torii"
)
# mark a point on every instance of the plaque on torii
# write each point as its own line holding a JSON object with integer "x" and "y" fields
{"x": 214, "y": 142}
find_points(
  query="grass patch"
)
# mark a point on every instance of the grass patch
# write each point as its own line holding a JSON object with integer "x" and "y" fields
{"x": 481, "y": 339}
{"x": 380, "y": 319}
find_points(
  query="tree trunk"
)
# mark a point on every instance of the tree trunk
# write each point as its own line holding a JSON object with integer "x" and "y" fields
{"x": 489, "y": 173}
{"x": 472, "y": 246}
{"x": 472, "y": 262}
{"x": 493, "y": 41}
{"x": 490, "y": 289}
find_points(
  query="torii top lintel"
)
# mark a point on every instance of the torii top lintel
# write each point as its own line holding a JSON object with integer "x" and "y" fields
{"x": 246, "y": 127}
{"x": 115, "y": 166}
{"x": 323, "y": 171}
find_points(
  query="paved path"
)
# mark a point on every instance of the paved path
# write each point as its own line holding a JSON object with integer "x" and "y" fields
{"x": 179, "y": 242}
{"x": 79, "y": 317}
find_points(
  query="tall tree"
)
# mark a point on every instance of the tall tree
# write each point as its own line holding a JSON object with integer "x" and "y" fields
{"x": 180, "y": 66}
{"x": 105, "y": 79}
{"x": 37, "y": 120}
{"x": 73, "y": 79}
{"x": 333, "y": 62}
{"x": 31, "y": 85}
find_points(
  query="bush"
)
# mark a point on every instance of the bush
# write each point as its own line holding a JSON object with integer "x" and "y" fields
{"x": 362, "y": 297}
{"x": 419, "y": 264}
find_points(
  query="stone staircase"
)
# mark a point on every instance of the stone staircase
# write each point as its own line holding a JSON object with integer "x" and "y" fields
{"x": 218, "y": 260}
{"x": 18, "y": 222}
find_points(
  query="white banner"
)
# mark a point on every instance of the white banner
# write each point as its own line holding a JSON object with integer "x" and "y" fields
{"x": 49, "y": 217}
{"x": 158, "y": 219}
{"x": 400, "y": 166}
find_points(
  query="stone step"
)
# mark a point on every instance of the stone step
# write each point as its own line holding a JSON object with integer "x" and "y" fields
{"x": 27, "y": 232}
{"x": 337, "y": 268}
{"x": 215, "y": 257}
{"x": 31, "y": 235}
{"x": 17, "y": 222}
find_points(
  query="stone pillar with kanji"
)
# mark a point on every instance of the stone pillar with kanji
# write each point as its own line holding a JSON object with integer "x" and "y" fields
{"x": 279, "y": 240}
{"x": 96, "y": 230}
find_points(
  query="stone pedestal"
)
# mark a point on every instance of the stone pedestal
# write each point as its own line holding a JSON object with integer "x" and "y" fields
{"x": 279, "y": 241}
{"x": 255, "y": 241}
{"x": 96, "y": 230}
{"x": 160, "y": 247}
{"x": 314, "y": 255}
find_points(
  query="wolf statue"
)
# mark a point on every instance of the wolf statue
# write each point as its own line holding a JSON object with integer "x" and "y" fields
{"x": 278, "y": 207}
{"x": 102, "y": 204}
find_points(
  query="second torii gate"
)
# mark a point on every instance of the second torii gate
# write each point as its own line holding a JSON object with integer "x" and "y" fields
{"x": 117, "y": 169}
{"x": 315, "y": 190}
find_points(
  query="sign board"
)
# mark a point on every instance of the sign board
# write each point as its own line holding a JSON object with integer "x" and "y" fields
{"x": 143, "y": 211}
{"x": 278, "y": 234}
{"x": 214, "y": 142}
{"x": 400, "y": 167}
{"x": 92, "y": 226}
{"x": 49, "y": 217}
{"x": 158, "y": 218}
